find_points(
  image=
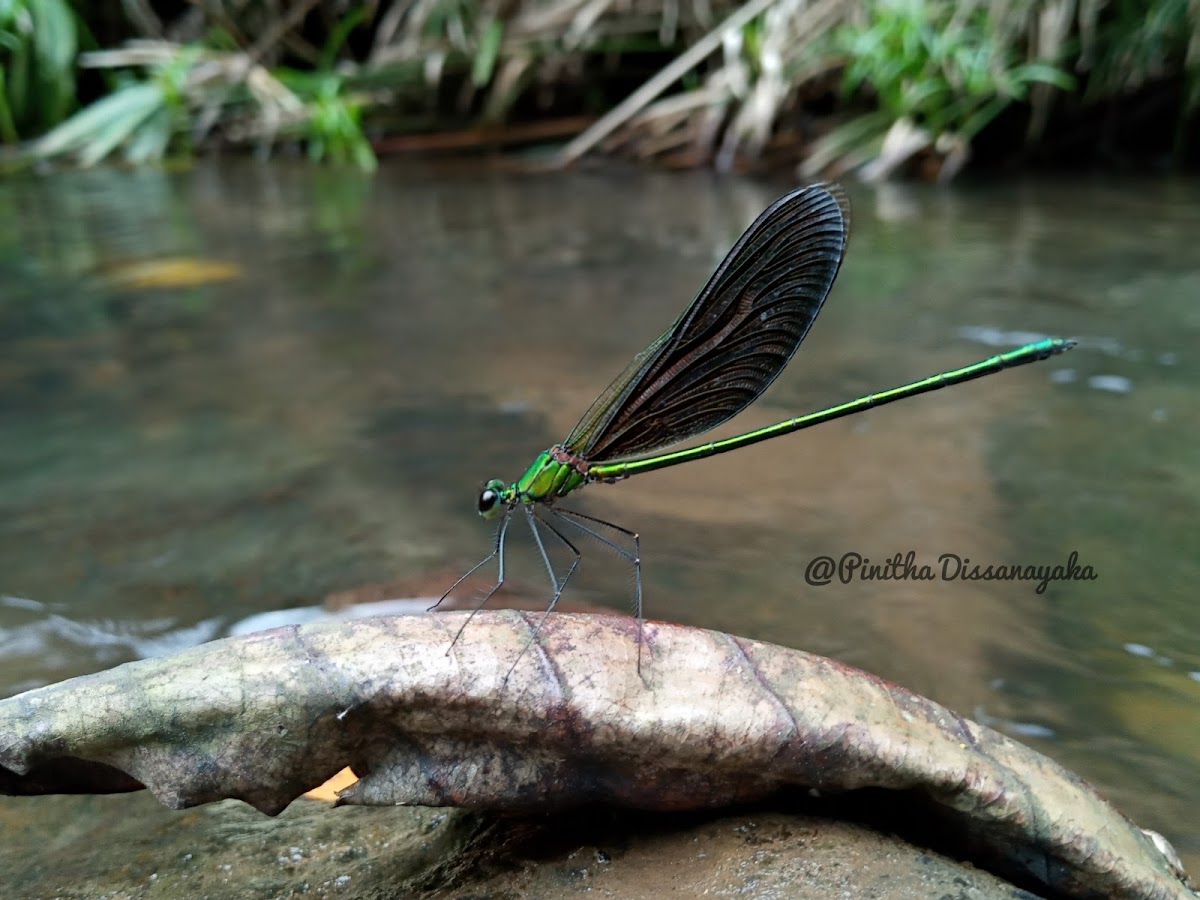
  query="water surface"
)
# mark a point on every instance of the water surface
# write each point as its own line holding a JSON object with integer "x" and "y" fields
{"x": 244, "y": 388}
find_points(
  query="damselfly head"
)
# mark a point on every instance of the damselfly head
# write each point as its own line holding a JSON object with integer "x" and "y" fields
{"x": 492, "y": 498}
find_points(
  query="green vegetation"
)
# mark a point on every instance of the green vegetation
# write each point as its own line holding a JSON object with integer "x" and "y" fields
{"x": 917, "y": 77}
{"x": 183, "y": 92}
{"x": 938, "y": 71}
{"x": 38, "y": 43}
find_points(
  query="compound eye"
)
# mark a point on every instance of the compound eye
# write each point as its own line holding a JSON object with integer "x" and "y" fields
{"x": 492, "y": 498}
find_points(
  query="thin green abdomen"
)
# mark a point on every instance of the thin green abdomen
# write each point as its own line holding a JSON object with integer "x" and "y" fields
{"x": 1020, "y": 356}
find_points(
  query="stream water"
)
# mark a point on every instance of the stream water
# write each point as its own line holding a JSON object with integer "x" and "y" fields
{"x": 244, "y": 388}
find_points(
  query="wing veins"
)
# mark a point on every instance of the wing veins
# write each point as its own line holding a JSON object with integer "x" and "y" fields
{"x": 760, "y": 302}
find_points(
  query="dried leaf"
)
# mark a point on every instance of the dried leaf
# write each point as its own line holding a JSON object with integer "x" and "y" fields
{"x": 170, "y": 272}
{"x": 713, "y": 719}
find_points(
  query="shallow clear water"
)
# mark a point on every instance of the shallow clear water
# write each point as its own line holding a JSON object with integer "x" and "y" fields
{"x": 244, "y": 388}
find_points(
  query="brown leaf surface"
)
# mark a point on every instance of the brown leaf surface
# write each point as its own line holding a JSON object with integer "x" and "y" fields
{"x": 713, "y": 719}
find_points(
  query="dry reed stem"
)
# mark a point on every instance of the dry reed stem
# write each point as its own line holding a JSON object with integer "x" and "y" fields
{"x": 682, "y": 64}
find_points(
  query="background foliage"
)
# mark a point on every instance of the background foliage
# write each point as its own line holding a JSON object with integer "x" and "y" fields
{"x": 840, "y": 82}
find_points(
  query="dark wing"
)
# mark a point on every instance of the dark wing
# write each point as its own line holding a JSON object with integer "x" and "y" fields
{"x": 734, "y": 339}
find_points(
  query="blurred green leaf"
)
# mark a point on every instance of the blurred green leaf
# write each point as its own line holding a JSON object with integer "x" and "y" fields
{"x": 338, "y": 37}
{"x": 944, "y": 69}
{"x": 8, "y": 127}
{"x": 149, "y": 142}
{"x": 333, "y": 130}
{"x": 96, "y": 130}
{"x": 39, "y": 41}
{"x": 487, "y": 53}
{"x": 54, "y": 35}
